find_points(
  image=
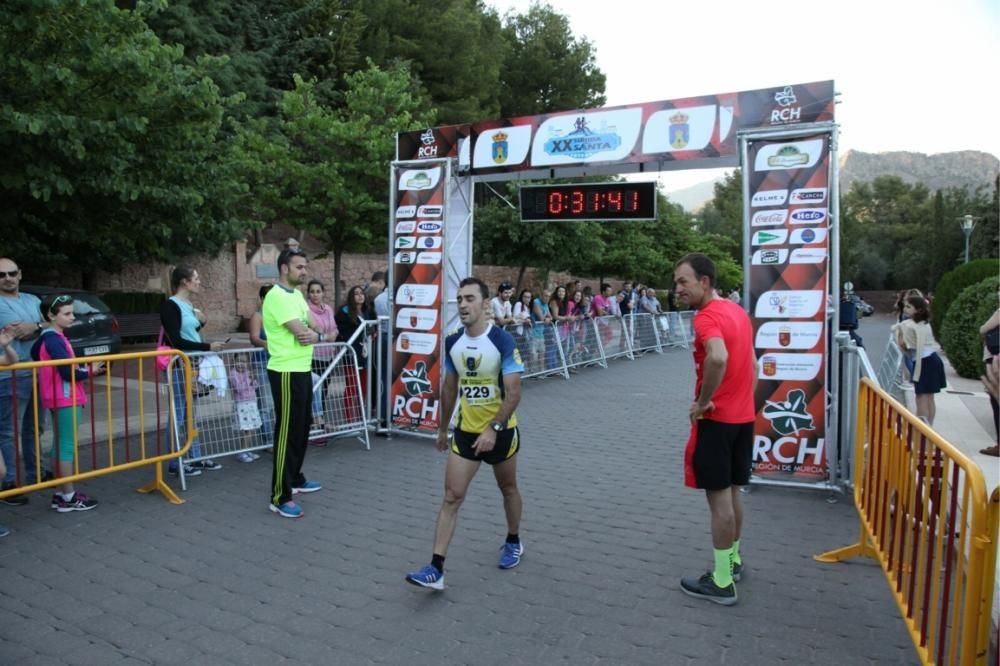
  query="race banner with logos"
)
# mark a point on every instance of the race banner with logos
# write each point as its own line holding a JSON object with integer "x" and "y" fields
{"x": 417, "y": 242}
{"x": 693, "y": 132}
{"x": 788, "y": 273}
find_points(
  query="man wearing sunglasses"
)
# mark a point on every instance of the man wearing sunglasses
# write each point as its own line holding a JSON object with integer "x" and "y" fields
{"x": 20, "y": 312}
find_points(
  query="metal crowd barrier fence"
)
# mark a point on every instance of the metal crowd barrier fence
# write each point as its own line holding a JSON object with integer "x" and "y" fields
{"x": 890, "y": 374}
{"x": 580, "y": 343}
{"x": 540, "y": 348}
{"x": 234, "y": 409}
{"x": 926, "y": 517}
{"x": 615, "y": 340}
{"x": 643, "y": 334}
{"x": 676, "y": 328}
{"x": 120, "y": 425}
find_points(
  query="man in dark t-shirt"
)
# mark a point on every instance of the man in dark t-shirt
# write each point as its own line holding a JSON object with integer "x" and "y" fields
{"x": 718, "y": 454}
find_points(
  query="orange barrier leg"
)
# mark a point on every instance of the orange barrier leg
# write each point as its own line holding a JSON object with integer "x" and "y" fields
{"x": 159, "y": 484}
{"x": 863, "y": 548}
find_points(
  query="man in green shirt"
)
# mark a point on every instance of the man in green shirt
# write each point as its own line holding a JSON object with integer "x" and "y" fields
{"x": 289, "y": 342}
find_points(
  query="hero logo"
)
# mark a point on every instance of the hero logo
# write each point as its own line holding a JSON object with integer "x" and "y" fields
{"x": 788, "y": 111}
{"x": 767, "y": 218}
{"x": 789, "y": 417}
{"x": 429, "y": 149}
{"x": 808, "y": 195}
{"x": 768, "y": 198}
{"x": 808, "y": 215}
{"x": 428, "y": 227}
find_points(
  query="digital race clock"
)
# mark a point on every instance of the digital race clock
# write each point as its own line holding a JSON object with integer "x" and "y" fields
{"x": 589, "y": 201}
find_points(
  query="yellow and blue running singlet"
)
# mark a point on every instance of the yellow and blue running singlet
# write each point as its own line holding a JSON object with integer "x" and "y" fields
{"x": 480, "y": 363}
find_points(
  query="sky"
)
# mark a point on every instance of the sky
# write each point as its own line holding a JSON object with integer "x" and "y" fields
{"x": 917, "y": 76}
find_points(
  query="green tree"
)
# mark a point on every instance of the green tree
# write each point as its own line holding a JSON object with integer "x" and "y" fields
{"x": 105, "y": 132}
{"x": 453, "y": 47}
{"x": 545, "y": 67}
{"x": 324, "y": 169}
{"x": 723, "y": 215}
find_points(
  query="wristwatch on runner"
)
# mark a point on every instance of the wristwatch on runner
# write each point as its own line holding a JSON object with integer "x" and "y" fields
{"x": 497, "y": 427}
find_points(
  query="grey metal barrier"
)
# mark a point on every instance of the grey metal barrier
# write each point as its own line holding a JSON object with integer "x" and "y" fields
{"x": 580, "y": 343}
{"x": 891, "y": 374}
{"x": 540, "y": 348}
{"x": 676, "y": 328}
{"x": 234, "y": 411}
{"x": 643, "y": 332}
{"x": 615, "y": 341}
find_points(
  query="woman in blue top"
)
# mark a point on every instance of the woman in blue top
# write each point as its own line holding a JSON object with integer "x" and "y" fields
{"x": 181, "y": 323}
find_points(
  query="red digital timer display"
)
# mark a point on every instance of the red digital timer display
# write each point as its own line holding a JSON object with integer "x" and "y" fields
{"x": 590, "y": 201}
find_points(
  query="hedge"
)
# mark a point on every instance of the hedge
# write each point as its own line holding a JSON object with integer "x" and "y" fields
{"x": 960, "y": 337}
{"x": 953, "y": 282}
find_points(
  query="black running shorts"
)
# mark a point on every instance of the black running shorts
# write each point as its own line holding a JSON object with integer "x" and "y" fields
{"x": 508, "y": 443}
{"x": 719, "y": 454}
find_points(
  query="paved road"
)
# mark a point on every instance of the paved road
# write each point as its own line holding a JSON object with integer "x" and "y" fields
{"x": 609, "y": 530}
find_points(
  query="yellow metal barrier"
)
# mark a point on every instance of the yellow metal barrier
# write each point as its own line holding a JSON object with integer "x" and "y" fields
{"x": 118, "y": 429}
{"x": 926, "y": 518}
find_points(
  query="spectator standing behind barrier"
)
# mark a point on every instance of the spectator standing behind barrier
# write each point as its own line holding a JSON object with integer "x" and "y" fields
{"x": 181, "y": 323}
{"x": 60, "y": 389}
{"x": 522, "y": 314}
{"x": 323, "y": 321}
{"x": 245, "y": 413}
{"x": 350, "y": 318}
{"x": 19, "y": 312}
{"x": 650, "y": 303}
{"x": 501, "y": 309}
{"x": 990, "y": 331}
{"x": 541, "y": 320}
{"x": 9, "y": 357}
{"x": 916, "y": 340}
{"x": 258, "y": 361}
{"x": 483, "y": 371}
{"x": 289, "y": 343}
{"x": 718, "y": 455}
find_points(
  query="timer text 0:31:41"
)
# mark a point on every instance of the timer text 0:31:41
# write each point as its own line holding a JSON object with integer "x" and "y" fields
{"x": 590, "y": 201}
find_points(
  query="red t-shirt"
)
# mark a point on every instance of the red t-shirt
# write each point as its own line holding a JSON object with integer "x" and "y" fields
{"x": 733, "y": 400}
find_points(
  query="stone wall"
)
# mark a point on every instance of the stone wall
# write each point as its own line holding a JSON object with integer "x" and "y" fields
{"x": 230, "y": 283}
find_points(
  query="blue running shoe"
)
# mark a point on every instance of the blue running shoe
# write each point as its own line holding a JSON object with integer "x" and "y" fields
{"x": 307, "y": 487}
{"x": 287, "y": 510}
{"x": 510, "y": 555}
{"x": 430, "y": 576}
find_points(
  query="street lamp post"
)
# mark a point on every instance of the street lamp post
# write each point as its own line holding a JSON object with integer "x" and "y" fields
{"x": 968, "y": 223}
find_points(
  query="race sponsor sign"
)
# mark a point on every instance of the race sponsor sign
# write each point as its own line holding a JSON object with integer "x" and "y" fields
{"x": 669, "y": 133}
{"x": 787, "y": 268}
{"x": 417, "y": 243}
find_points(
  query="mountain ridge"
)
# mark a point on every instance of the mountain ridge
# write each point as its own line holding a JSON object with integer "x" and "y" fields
{"x": 960, "y": 168}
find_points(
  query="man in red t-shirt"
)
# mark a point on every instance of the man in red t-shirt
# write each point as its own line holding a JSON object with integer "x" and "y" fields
{"x": 717, "y": 458}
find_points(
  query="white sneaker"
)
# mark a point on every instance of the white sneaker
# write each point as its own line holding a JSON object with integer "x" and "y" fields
{"x": 245, "y": 457}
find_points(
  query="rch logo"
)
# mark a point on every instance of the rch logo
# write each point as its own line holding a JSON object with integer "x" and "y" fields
{"x": 789, "y": 416}
{"x": 415, "y": 381}
{"x": 429, "y": 149}
{"x": 787, "y": 113}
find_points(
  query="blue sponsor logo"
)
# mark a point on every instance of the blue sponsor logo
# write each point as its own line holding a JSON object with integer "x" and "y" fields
{"x": 429, "y": 226}
{"x": 582, "y": 142}
{"x": 808, "y": 235}
{"x": 808, "y": 215}
{"x": 429, "y": 242}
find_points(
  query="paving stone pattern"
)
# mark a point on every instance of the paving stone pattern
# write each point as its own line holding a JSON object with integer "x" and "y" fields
{"x": 608, "y": 528}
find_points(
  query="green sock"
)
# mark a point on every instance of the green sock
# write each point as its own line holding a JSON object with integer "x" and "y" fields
{"x": 723, "y": 575}
{"x": 736, "y": 552}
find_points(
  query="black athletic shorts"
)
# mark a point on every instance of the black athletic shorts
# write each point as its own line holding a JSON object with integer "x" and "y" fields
{"x": 508, "y": 443}
{"x": 718, "y": 454}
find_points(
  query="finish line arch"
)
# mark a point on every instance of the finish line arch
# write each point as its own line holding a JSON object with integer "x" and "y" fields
{"x": 785, "y": 140}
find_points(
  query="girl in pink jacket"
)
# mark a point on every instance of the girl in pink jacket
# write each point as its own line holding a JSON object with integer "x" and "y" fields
{"x": 60, "y": 389}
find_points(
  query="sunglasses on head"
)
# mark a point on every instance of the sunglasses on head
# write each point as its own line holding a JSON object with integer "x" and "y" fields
{"x": 59, "y": 300}
{"x": 7, "y": 274}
